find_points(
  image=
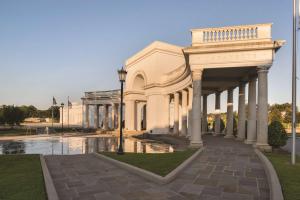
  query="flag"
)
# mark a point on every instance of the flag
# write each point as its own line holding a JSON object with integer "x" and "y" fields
{"x": 54, "y": 101}
{"x": 69, "y": 104}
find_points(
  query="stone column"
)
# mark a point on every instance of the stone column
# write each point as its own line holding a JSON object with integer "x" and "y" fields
{"x": 229, "y": 116}
{"x": 204, "y": 114}
{"x": 117, "y": 116}
{"x": 176, "y": 114}
{"x": 144, "y": 127}
{"x": 262, "y": 115}
{"x": 196, "y": 139}
{"x": 241, "y": 113}
{"x": 190, "y": 112}
{"x": 130, "y": 115}
{"x": 113, "y": 111}
{"x": 217, "y": 115}
{"x": 251, "y": 123}
{"x": 139, "y": 106}
{"x": 105, "y": 119}
{"x": 184, "y": 112}
{"x": 96, "y": 117}
{"x": 87, "y": 116}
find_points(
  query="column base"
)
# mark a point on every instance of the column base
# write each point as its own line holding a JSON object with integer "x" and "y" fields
{"x": 196, "y": 144}
{"x": 249, "y": 141}
{"x": 228, "y": 136}
{"x": 263, "y": 147}
{"x": 216, "y": 134}
{"x": 240, "y": 139}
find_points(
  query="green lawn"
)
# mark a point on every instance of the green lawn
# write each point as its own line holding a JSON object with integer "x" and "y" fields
{"x": 21, "y": 178}
{"x": 289, "y": 175}
{"x": 159, "y": 163}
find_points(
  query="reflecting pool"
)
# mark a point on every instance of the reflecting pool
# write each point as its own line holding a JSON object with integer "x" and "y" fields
{"x": 57, "y": 145}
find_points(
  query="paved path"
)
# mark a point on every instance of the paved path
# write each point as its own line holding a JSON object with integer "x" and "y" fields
{"x": 288, "y": 146}
{"x": 226, "y": 169}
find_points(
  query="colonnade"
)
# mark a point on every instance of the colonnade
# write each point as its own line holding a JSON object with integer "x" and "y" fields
{"x": 110, "y": 113}
{"x": 256, "y": 132}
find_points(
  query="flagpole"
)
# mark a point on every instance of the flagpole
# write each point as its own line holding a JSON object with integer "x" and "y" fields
{"x": 52, "y": 107}
{"x": 52, "y": 116}
{"x": 294, "y": 62}
{"x": 68, "y": 112}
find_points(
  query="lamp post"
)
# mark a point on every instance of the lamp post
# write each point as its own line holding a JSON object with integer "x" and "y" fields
{"x": 122, "y": 76}
{"x": 62, "y": 116}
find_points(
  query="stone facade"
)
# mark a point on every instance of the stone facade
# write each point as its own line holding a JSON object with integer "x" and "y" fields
{"x": 167, "y": 86}
{"x": 164, "y": 76}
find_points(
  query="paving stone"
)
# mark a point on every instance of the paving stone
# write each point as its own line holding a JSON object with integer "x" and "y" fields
{"x": 191, "y": 189}
{"x": 226, "y": 169}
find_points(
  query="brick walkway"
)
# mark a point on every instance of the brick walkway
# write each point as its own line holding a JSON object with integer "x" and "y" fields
{"x": 226, "y": 169}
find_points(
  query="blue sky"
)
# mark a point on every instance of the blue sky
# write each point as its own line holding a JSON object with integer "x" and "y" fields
{"x": 63, "y": 48}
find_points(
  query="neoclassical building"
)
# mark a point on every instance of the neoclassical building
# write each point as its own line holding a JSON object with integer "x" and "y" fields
{"x": 167, "y": 85}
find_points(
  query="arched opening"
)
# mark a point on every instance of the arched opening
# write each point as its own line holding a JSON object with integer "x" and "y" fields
{"x": 139, "y": 82}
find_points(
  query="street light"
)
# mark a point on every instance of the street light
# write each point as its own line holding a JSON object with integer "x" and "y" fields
{"x": 62, "y": 116}
{"x": 122, "y": 76}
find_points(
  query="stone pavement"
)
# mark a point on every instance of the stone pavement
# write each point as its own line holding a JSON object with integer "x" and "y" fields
{"x": 226, "y": 169}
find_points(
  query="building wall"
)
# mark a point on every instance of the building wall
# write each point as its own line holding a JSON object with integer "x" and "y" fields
{"x": 75, "y": 114}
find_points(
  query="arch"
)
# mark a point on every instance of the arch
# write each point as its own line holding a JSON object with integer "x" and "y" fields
{"x": 139, "y": 81}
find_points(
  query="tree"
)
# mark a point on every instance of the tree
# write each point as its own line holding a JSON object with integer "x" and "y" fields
{"x": 275, "y": 115}
{"x": 276, "y": 134}
{"x": 12, "y": 115}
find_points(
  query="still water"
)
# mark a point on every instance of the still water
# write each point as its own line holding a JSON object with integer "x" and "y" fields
{"x": 57, "y": 145}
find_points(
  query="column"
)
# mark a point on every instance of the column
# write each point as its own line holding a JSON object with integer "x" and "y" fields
{"x": 144, "y": 125}
{"x": 229, "y": 116}
{"x": 105, "y": 119}
{"x": 129, "y": 114}
{"x": 113, "y": 111}
{"x": 204, "y": 114}
{"x": 217, "y": 115}
{"x": 196, "y": 140}
{"x": 184, "y": 112}
{"x": 139, "y": 116}
{"x": 176, "y": 114}
{"x": 241, "y": 113}
{"x": 190, "y": 112}
{"x": 251, "y": 122}
{"x": 262, "y": 115}
{"x": 117, "y": 115}
{"x": 96, "y": 117}
{"x": 87, "y": 118}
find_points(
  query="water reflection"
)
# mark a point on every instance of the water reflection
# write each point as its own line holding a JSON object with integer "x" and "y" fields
{"x": 56, "y": 145}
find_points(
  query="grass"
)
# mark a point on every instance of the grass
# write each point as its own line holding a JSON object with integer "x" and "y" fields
{"x": 159, "y": 163}
{"x": 289, "y": 175}
{"x": 21, "y": 178}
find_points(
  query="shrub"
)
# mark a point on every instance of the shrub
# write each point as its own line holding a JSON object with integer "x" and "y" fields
{"x": 277, "y": 134}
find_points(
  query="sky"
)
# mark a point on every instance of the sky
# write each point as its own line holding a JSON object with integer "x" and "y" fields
{"x": 62, "y": 48}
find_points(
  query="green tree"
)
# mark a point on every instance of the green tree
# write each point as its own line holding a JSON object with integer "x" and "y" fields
{"x": 275, "y": 115}
{"x": 276, "y": 134}
{"x": 12, "y": 115}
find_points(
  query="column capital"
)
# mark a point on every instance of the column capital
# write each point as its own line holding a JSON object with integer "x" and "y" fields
{"x": 263, "y": 68}
{"x": 197, "y": 74}
{"x": 183, "y": 92}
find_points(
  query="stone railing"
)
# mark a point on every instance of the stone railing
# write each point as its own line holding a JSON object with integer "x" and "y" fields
{"x": 231, "y": 34}
{"x": 103, "y": 94}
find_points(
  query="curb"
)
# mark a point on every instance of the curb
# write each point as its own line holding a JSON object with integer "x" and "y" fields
{"x": 149, "y": 175}
{"x": 50, "y": 189}
{"x": 275, "y": 187}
